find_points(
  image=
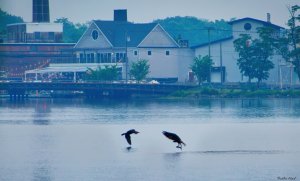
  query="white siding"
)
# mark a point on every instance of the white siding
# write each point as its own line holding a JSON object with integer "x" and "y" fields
{"x": 161, "y": 65}
{"x": 175, "y": 65}
{"x": 44, "y": 27}
{"x": 87, "y": 41}
{"x": 185, "y": 59}
{"x": 158, "y": 38}
{"x": 229, "y": 59}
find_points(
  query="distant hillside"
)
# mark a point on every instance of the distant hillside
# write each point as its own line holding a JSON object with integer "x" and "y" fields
{"x": 72, "y": 32}
{"x": 6, "y": 19}
{"x": 195, "y": 30}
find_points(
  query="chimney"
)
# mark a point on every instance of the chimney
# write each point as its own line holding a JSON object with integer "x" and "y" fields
{"x": 268, "y": 17}
{"x": 40, "y": 11}
{"x": 120, "y": 15}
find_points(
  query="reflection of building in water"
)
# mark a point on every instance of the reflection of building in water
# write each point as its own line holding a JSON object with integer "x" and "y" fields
{"x": 41, "y": 114}
{"x": 42, "y": 170}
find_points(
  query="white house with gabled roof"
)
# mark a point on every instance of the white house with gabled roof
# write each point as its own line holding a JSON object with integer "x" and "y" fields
{"x": 108, "y": 43}
{"x": 225, "y": 57}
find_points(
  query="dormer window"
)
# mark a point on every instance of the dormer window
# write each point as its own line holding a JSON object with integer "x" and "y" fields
{"x": 247, "y": 26}
{"x": 95, "y": 34}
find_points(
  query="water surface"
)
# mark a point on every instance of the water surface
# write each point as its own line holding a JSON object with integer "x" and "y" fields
{"x": 227, "y": 139}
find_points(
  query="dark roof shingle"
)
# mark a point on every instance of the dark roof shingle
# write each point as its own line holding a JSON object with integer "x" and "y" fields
{"x": 116, "y": 31}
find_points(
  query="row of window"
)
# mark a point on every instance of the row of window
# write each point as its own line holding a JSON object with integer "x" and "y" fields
{"x": 39, "y": 35}
{"x": 150, "y": 53}
{"x": 167, "y": 52}
{"x": 107, "y": 57}
{"x": 101, "y": 58}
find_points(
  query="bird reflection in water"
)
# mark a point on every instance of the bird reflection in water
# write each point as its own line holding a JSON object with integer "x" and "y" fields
{"x": 42, "y": 110}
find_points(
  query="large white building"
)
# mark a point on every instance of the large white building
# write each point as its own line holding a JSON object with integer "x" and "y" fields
{"x": 108, "y": 43}
{"x": 224, "y": 55}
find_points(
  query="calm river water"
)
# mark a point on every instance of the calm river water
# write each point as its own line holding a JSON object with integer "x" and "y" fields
{"x": 77, "y": 139}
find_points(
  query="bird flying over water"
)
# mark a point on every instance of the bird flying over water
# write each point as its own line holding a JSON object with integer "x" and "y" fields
{"x": 128, "y": 133}
{"x": 175, "y": 138}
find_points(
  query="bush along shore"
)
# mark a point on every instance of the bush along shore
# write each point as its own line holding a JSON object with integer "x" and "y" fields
{"x": 203, "y": 92}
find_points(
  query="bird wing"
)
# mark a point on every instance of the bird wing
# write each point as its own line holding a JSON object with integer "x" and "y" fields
{"x": 127, "y": 136}
{"x": 169, "y": 135}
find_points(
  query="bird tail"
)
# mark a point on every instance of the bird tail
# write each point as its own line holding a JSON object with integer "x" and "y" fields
{"x": 183, "y": 143}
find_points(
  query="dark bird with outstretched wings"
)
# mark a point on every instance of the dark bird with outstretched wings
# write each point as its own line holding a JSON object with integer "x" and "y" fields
{"x": 175, "y": 138}
{"x": 128, "y": 133}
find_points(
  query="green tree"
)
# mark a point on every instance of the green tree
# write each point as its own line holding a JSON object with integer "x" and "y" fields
{"x": 108, "y": 73}
{"x": 294, "y": 37}
{"x": 264, "y": 50}
{"x": 246, "y": 55}
{"x": 6, "y": 19}
{"x": 140, "y": 69}
{"x": 71, "y": 32}
{"x": 201, "y": 68}
{"x": 254, "y": 55}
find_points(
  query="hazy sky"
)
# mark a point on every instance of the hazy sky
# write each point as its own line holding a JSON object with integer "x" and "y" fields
{"x": 148, "y": 10}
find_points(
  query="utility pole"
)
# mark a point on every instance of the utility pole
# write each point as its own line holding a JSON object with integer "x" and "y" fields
{"x": 291, "y": 76}
{"x": 208, "y": 33}
{"x": 221, "y": 62}
{"x": 280, "y": 76}
{"x": 127, "y": 39}
{"x": 209, "y": 50}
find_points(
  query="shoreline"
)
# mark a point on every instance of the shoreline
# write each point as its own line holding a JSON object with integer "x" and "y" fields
{"x": 198, "y": 93}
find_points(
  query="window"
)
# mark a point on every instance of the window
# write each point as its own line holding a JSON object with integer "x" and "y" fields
{"x": 167, "y": 52}
{"x": 81, "y": 57}
{"x": 88, "y": 58}
{"x": 101, "y": 58}
{"x": 105, "y": 58}
{"x": 120, "y": 57}
{"x": 95, "y": 34}
{"x": 98, "y": 58}
{"x": 247, "y": 26}
{"x": 109, "y": 57}
{"x": 135, "y": 53}
{"x": 149, "y": 53}
{"x": 37, "y": 35}
{"x": 51, "y": 35}
{"x": 92, "y": 58}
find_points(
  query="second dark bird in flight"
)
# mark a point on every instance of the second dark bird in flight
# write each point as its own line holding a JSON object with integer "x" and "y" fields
{"x": 175, "y": 138}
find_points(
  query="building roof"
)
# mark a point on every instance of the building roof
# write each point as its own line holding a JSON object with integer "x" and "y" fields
{"x": 265, "y": 23}
{"x": 77, "y": 67}
{"x": 212, "y": 42}
{"x": 116, "y": 31}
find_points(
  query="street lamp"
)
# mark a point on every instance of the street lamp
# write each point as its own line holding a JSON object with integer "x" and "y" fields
{"x": 126, "y": 57}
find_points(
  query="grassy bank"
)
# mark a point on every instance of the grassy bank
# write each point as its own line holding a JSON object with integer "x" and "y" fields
{"x": 233, "y": 93}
